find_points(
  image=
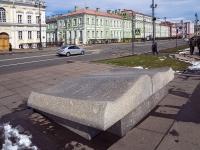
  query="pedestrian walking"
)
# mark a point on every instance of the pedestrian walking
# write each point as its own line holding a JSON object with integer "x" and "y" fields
{"x": 192, "y": 45}
{"x": 198, "y": 44}
{"x": 154, "y": 48}
{"x": 10, "y": 47}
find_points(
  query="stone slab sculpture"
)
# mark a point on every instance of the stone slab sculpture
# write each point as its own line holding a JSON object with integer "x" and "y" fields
{"x": 115, "y": 100}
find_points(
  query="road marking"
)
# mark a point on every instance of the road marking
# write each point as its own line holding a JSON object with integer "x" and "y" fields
{"x": 27, "y": 57}
{"x": 28, "y": 62}
{"x": 40, "y": 61}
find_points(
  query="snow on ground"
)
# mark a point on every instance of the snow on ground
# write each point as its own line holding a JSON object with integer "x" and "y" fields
{"x": 195, "y": 65}
{"x": 162, "y": 58}
{"x": 14, "y": 140}
{"x": 139, "y": 67}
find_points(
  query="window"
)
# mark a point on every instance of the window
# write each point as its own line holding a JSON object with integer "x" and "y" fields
{"x": 2, "y": 15}
{"x": 88, "y": 34}
{"x": 88, "y": 21}
{"x": 106, "y": 33}
{"x": 19, "y": 18}
{"x": 93, "y": 21}
{"x": 20, "y": 35}
{"x": 29, "y": 35}
{"x": 106, "y": 22}
{"x": 74, "y": 22}
{"x": 60, "y": 23}
{"x": 75, "y": 35}
{"x": 64, "y": 23}
{"x": 101, "y": 33}
{"x": 97, "y": 34}
{"x": 97, "y": 21}
{"x": 37, "y": 19}
{"x": 29, "y": 18}
{"x": 38, "y": 34}
{"x": 92, "y": 33}
{"x": 101, "y": 22}
{"x": 80, "y": 20}
{"x": 52, "y": 26}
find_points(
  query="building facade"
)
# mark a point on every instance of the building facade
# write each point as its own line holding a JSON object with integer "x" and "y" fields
{"x": 87, "y": 26}
{"x": 20, "y": 23}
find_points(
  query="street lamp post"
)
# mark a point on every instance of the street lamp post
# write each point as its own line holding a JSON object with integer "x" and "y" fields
{"x": 153, "y": 6}
{"x": 144, "y": 21}
{"x": 40, "y": 4}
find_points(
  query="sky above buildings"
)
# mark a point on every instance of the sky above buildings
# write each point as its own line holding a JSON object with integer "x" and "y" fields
{"x": 165, "y": 8}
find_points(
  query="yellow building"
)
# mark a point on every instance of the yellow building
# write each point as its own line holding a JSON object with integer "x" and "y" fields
{"x": 20, "y": 23}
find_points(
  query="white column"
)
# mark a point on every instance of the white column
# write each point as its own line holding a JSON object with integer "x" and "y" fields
{"x": 25, "y": 17}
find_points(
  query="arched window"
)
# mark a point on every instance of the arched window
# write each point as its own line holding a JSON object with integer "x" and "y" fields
{"x": 2, "y": 15}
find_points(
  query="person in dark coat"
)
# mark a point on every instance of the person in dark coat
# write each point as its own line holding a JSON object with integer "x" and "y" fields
{"x": 10, "y": 47}
{"x": 192, "y": 45}
{"x": 198, "y": 44}
{"x": 154, "y": 48}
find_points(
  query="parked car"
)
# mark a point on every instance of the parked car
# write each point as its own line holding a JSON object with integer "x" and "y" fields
{"x": 70, "y": 50}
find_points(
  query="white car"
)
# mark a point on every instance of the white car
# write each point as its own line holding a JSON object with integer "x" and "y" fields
{"x": 70, "y": 50}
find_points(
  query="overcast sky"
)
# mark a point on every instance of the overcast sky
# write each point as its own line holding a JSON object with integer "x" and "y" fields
{"x": 166, "y": 8}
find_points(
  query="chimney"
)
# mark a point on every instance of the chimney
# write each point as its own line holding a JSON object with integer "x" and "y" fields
{"x": 87, "y": 7}
{"x": 97, "y": 9}
{"x": 119, "y": 11}
{"x": 109, "y": 11}
{"x": 113, "y": 12}
{"x": 116, "y": 12}
{"x": 75, "y": 8}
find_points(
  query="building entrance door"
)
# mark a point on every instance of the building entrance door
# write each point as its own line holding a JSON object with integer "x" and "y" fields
{"x": 4, "y": 41}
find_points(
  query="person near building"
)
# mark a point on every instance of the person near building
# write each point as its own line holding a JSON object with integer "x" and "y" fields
{"x": 192, "y": 45}
{"x": 198, "y": 44}
{"x": 10, "y": 47}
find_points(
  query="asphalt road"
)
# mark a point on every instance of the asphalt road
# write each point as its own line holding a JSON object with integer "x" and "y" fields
{"x": 29, "y": 61}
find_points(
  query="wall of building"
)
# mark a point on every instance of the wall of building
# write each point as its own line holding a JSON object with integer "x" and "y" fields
{"x": 12, "y": 26}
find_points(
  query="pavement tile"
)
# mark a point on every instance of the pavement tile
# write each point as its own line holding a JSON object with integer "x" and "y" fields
{"x": 190, "y": 113}
{"x": 30, "y": 82}
{"x": 12, "y": 81}
{"x": 174, "y": 143}
{"x": 25, "y": 94}
{"x": 4, "y": 111}
{"x": 186, "y": 93}
{"x": 156, "y": 124}
{"x": 6, "y": 93}
{"x": 4, "y": 79}
{"x": 2, "y": 88}
{"x": 22, "y": 89}
{"x": 138, "y": 139}
{"x": 17, "y": 106}
{"x": 186, "y": 131}
{"x": 11, "y": 99}
{"x": 38, "y": 85}
{"x": 173, "y": 100}
{"x": 14, "y": 85}
{"x": 15, "y": 75}
{"x": 169, "y": 112}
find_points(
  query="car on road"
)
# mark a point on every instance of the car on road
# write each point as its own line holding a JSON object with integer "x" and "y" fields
{"x": 68, "y": 50}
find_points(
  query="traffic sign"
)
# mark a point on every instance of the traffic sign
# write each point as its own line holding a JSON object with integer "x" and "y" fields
{"x": 124, "y": 16}
{"x": 137, "y": 31}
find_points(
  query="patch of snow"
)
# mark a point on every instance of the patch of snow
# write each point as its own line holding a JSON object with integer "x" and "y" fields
{"x": 139, "y": 67}
{"x": 195, "y": 65}
{"x": 162, "y": 58}
{"x": 14, "y": 140}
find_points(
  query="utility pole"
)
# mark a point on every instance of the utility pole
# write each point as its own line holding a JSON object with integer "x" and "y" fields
{"x": 39, "y": 4}
{"x": 196, "y": 22}
{"x": 144, "y": 20}
{"x": 153, "y": 6}
{"x": 132, "y": 34}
